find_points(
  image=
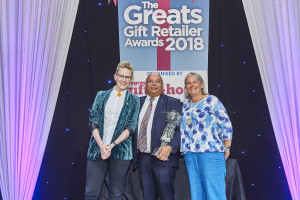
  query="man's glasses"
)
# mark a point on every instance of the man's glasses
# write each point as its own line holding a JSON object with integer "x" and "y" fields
{"x": 127, "y": 78}
{"x": 152, "y": 82}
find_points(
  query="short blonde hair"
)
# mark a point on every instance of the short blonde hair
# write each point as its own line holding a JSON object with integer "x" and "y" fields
{"x": 125, "y": 65}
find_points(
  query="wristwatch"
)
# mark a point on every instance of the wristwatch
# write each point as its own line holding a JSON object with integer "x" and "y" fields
{"x": 227, "y": 147}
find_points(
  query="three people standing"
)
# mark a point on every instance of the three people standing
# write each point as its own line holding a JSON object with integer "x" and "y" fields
{"x": 205, "y": 132}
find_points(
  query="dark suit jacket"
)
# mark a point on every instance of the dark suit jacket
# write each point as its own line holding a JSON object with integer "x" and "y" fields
{"x": 165, "y": 104}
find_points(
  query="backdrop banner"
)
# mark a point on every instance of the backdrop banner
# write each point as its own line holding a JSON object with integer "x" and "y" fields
{"x": 169, "y": 37}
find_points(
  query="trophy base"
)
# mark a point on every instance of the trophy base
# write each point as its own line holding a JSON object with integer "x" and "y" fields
{"x": 156, "y": 153}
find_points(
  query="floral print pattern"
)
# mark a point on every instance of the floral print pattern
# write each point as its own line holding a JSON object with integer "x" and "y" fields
{"x": 204, "y": 126}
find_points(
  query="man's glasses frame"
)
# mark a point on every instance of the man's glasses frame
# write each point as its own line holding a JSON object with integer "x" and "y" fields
{"x": 151, "y": 82}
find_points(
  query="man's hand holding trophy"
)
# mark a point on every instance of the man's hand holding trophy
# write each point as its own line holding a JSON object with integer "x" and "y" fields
{"x": 163, "y": 152}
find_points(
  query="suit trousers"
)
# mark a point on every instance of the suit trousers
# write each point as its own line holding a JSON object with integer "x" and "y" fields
{"x": 96, "y": 172}
{"x": 156, "y": 180}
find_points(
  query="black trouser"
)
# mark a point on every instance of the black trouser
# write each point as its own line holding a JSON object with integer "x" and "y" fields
{"x": 96, "y": 172}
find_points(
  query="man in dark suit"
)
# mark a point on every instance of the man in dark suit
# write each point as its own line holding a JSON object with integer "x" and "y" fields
{"x": 156, "y": 173}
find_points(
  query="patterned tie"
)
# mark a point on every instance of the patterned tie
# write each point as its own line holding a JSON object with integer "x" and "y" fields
{"x": 142, "y": 140}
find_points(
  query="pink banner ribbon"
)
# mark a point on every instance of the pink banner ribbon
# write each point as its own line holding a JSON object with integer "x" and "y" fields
{"x": 115, "y": 1}
{"x": 163, "y": 56}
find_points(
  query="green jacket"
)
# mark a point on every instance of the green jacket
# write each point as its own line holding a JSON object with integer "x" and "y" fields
{"x": 127, "y": 120}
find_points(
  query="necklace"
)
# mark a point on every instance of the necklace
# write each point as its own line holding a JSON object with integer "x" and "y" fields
{"x": 119, "y": 94}
{"x": 189, "y": 120}
{"x": 202, "y": 96}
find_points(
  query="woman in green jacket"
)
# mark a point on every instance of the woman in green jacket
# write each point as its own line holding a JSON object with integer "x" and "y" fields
{"x": 112, "y": 121}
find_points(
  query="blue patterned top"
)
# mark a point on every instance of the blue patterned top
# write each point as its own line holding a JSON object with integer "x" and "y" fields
{"x": 204, "y": 126}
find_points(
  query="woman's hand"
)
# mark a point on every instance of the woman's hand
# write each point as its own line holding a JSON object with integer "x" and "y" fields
{"x": 227, "y": 144}
{"x": 227, "y": 153}
{"x": 105, "y": 151}
{"x": 111, "y": 146}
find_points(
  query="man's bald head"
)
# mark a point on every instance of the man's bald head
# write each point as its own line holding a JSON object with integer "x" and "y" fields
{"x": 154, "y": 85}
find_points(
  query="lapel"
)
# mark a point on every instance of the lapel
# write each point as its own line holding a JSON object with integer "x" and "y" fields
{"x": 159, "y": 106}
{"x": 127, "y": 102}
{"x": 142, "y": 101}
{"x": 103, "y": 101}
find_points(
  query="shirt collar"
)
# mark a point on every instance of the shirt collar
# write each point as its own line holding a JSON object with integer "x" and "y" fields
{"x": 155, "y": 98}
{"x": 115, "y": 92}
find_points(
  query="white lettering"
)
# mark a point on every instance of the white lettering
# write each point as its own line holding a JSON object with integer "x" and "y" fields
{"x": 138, "y": 16}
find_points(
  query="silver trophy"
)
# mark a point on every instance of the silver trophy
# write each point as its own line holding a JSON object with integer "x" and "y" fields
{"x": 173, "y": 119}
